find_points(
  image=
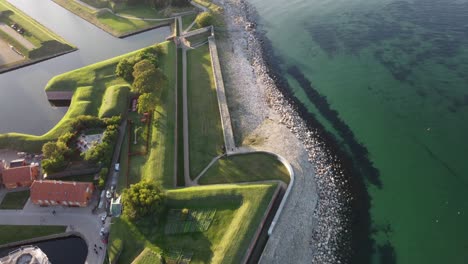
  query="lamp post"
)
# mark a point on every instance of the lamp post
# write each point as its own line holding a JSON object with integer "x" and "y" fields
{"x": 135, "y": 132}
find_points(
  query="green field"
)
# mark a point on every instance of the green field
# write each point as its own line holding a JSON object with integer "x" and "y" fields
{"x": 45, "y": 41}
{"x": 90, "y": 84}
{"x": 246, "y": 168}
{"x": 239, "y": 210}
{"x": 205, "y": 131}
{"x": 187, "y": 20}
{"x": 116, "y": 25}
{"x": 9, "y": 233}
{"x": 15, "y": 200}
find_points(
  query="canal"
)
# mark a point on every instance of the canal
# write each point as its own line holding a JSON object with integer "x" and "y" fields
{"x": 23, "y": 104}
{"x": 70, "y": 250}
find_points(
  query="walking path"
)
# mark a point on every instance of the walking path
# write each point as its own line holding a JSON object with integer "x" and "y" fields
{"x": 188, "y": 180}
{"x": 128, "y": 16}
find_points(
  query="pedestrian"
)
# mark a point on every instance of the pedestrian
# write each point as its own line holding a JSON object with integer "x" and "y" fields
{"x": 53, "y": 212}
{"x": 100, "y": 248}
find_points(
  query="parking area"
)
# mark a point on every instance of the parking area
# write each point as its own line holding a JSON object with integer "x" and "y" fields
{"x": 7, "y": 55}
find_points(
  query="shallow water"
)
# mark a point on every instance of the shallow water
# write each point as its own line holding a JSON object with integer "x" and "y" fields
{"x": 396, "y": 73}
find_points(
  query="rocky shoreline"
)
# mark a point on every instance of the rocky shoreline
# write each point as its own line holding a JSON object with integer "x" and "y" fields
{"x": 330, "y": 239}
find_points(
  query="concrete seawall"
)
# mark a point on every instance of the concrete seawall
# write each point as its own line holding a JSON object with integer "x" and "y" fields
{"x": 221, "y": 93}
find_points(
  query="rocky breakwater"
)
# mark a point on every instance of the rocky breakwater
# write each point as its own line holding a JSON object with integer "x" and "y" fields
{"x": 330, "y": 241}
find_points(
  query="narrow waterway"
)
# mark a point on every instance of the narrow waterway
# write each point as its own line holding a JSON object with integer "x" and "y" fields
{"x": 70, "y": 250}
{"x": 23, "y": 104}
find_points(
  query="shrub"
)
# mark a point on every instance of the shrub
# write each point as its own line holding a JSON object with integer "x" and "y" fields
{"x": 204, "y": 19}
{"x": 124, "y": 70}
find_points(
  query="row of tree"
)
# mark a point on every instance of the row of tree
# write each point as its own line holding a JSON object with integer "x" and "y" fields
{"x": 146, "y": 77}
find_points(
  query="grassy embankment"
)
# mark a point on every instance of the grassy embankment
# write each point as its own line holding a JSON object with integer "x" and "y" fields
{"x": 89, "y": 84}
{"x": 15, "y": 200}
{"x": 45, "y": 41}
{"x": 246, "y": 168}
{"x": 9, "y": 234}
{"x": 215, "y": 10}
{"x": 239, "y": 209}
{"x": 117, "y": 25}
{"x": 205, "y": 131}
{"x": 187, "y": 21}
{"x": 98, "y": 92}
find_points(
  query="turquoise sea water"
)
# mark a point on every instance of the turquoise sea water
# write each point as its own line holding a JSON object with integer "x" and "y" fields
{"x": 396, "y": 72}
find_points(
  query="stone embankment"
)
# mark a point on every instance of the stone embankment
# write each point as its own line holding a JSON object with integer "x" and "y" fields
{"x": 326, "y": 242}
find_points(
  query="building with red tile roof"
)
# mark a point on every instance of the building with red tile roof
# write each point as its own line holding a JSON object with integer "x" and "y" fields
{"x": 50, "y": 192}
{"x": 22, "y": 176}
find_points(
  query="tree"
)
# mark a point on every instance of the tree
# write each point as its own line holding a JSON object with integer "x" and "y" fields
{"x": 148, "y": 54}
{"x": 142, "y": 66}
{"x": 54, "y": 164}
{"x": 142, "y": 199}
{"x": 204, "y": 19}
{"x": 125, "y": 69}
{"x": 149, "y": 81}
{"x": 51, "y": 150}
{"x": 147, "y": 103}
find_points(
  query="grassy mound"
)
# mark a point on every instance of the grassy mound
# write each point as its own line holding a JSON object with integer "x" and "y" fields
{"x": 239, "y": 210}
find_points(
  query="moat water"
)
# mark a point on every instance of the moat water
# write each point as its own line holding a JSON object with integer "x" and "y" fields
{"x": 23, "y": 104}
{"x": 70, "y": 250}
{"x": 394, "y": 79}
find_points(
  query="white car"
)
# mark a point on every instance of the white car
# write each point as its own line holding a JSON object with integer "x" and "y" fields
{"x": 117, "y": 166}
{"x": 103, "y": 231}
{"x": 108, "y": 194}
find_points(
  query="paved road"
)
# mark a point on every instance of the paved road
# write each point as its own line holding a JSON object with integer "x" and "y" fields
{"x": 7, "y": 55}
{"x": 80, "y": 220}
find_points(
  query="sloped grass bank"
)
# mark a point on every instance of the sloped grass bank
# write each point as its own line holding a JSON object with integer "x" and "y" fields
{"x": 246, "y": 168}
{"x": 116, "y": 25}
{"x": 239, "y": 210}
{"x": 89, "y": 85}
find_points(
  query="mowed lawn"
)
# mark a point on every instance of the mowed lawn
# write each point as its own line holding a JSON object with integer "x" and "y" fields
{"x": 239, "y": 210}
{"x": 10, "y": 233}
{"x": 205, "y": 131}
{"x": 246, "y": 168}
{"x": 15, "y": 200}
{"x": 115, "y": 25}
